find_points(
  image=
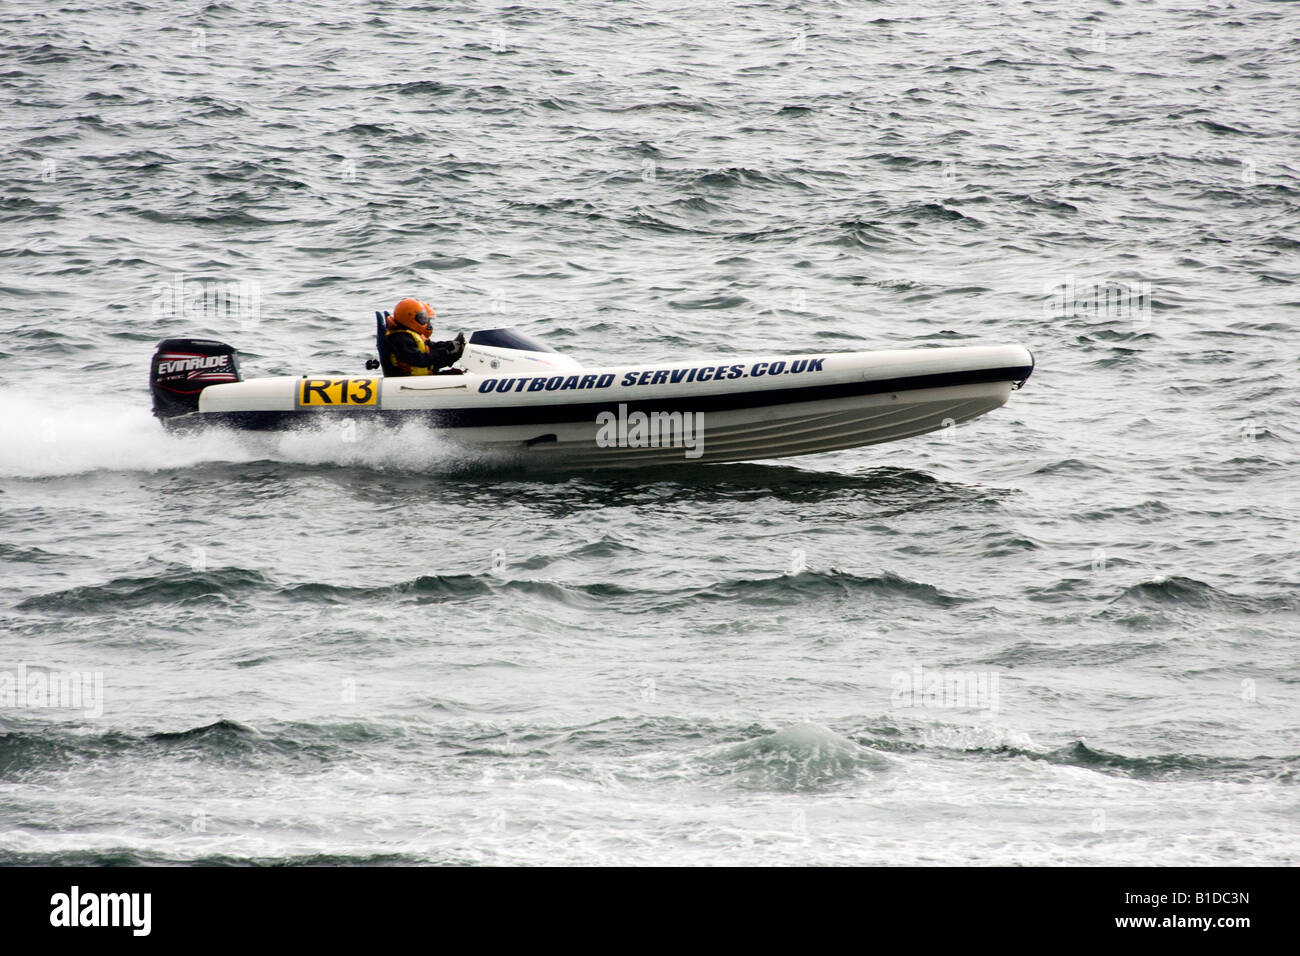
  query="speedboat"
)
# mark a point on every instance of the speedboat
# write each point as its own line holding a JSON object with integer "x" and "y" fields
{"x": 512, "y": 394}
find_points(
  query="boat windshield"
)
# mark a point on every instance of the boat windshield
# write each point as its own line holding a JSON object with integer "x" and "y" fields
{"x": 508, "y": 339}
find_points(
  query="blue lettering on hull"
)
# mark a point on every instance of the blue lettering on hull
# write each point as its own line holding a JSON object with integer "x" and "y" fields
{"x": 707, "y": 373}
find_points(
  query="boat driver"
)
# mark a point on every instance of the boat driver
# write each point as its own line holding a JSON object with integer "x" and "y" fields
{"x": 407, "y": 337}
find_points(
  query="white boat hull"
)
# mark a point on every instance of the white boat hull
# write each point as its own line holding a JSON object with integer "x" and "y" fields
{"x": 776, "y": 431}
{"x": 544, "y": 408}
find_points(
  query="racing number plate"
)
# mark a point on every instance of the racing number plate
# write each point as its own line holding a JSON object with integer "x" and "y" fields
{"x": 337, "y": 392}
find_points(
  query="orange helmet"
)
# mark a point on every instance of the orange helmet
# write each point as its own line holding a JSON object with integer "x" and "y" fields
{"x": 414, "y": 315}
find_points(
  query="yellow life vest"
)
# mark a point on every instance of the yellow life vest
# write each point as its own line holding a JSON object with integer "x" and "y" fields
{"x": 424, "y": 350}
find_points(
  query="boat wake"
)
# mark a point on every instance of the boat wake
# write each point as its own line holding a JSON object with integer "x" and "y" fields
{"x": 40, "y": 439}
{"x": 43, "y": 440}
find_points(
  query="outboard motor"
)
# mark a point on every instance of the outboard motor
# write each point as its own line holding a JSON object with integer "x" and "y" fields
{"x": 182, "y": 368}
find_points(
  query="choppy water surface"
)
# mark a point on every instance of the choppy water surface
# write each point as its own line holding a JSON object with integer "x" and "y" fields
{"x": 309, "y": 648}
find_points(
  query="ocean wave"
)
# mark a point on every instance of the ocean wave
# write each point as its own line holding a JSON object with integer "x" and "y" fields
{"x": 915, "y": 213}
{"x": 425, "y": 589}
{"x": 736, "y": 176}
{"x": 1174, "y": 766}
{"x": 169, "y": 588}
{"x": 49, "y": 748}
{"x": 807, "y": 586}
{"x": 1172, "y": 594}
{"x": 796, "y": 759}
{"x": 710, "y": 302}
{"x": 992, "y": 742}
{"x": 1177, "y": 591}
{"x": 238, "y": 587}
{"x": 24, "y": 752}
{"x": 128, "y": 856}
{"x": 604, "y": 548}
{"x": 23, "y": 555}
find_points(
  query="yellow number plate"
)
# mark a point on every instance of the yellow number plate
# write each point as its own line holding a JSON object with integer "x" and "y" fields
{"x": 324, "y": 392}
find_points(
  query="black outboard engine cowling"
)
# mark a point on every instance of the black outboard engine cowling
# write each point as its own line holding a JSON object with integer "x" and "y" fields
{"x": 182, "y": 368}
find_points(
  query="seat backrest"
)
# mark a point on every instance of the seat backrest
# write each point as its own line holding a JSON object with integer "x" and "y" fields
{"x": 381, "y": 344}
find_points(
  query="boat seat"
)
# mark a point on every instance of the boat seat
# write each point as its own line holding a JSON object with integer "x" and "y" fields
{"x": 381, "y": 344}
